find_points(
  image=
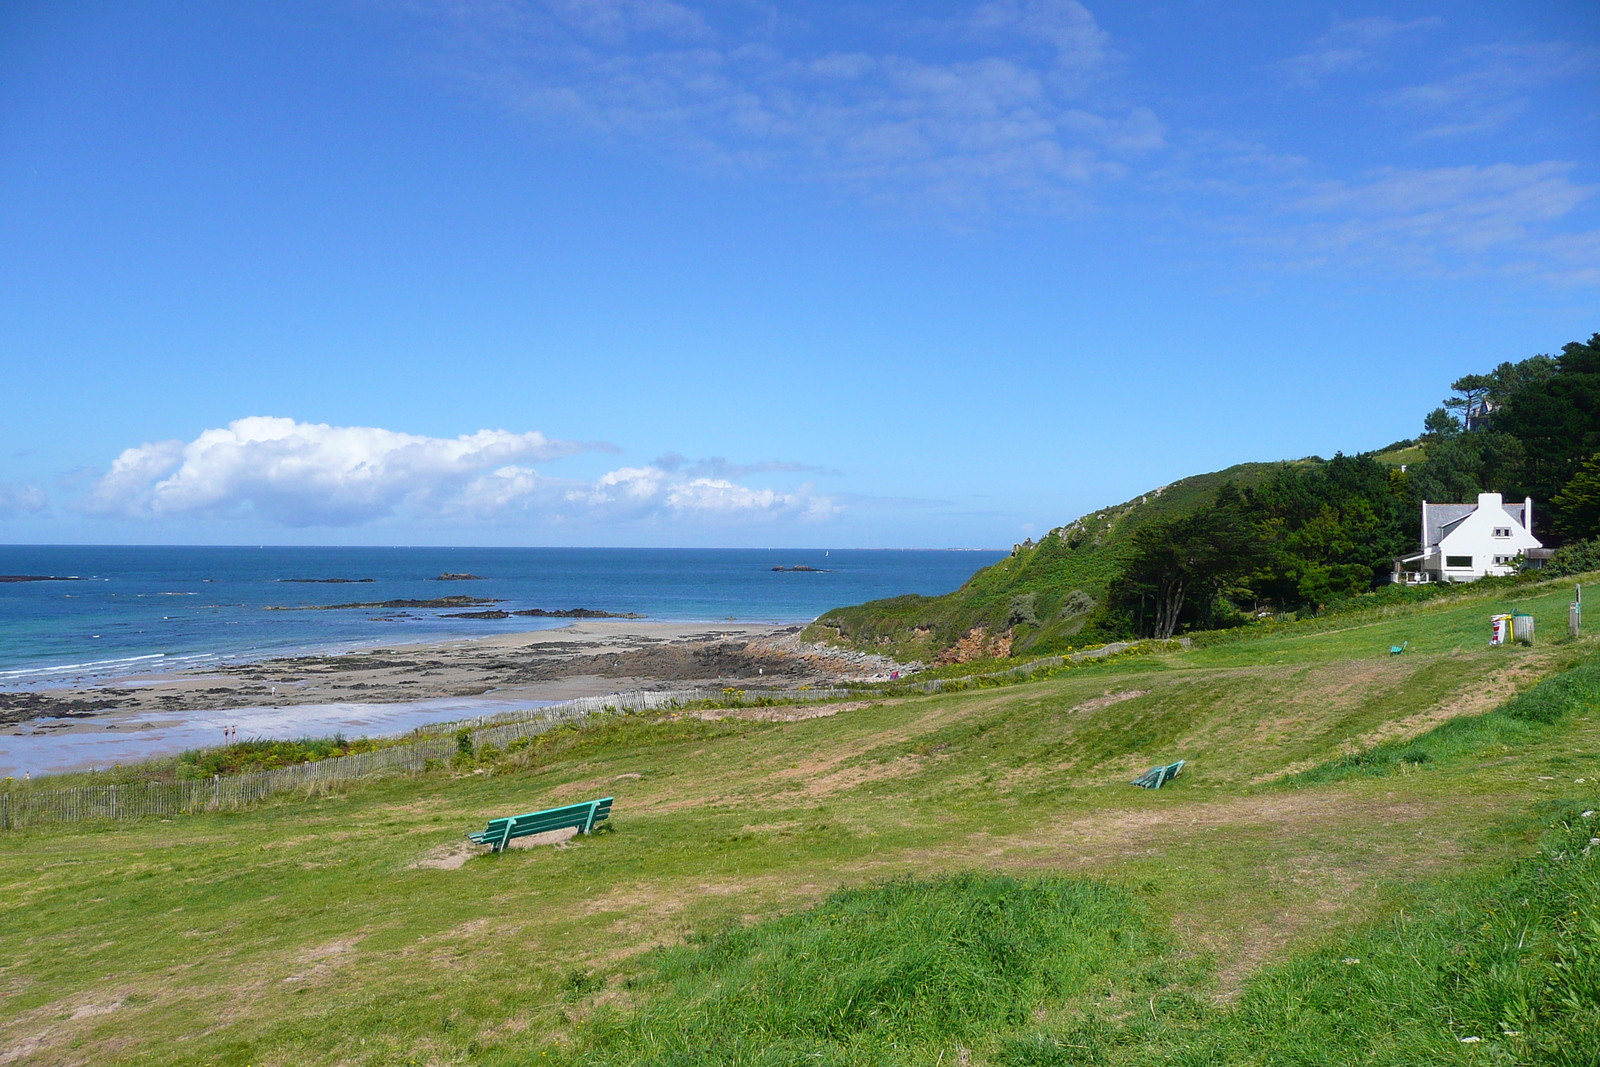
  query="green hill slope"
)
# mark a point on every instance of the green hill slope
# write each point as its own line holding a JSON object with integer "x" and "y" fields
{"x": 1037, "y": 600}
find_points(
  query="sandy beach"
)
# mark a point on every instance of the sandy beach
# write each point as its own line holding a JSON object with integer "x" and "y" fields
{"x": 586, "y": 658}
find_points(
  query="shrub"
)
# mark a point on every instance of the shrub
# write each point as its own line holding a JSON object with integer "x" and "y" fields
{"x": 260, "y": 755}
{"x": 1579, "y": 557}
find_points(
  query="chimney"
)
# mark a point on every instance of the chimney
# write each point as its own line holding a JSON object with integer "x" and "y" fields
{"x": 1424, "y": 526}
{"x": 1527, "y": 513}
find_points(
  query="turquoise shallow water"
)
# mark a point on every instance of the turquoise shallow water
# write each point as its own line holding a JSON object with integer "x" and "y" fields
{"x": 138, "y": 609}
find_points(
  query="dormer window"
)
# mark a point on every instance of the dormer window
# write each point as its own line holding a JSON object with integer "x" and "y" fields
{"x": 1502, "y": 531}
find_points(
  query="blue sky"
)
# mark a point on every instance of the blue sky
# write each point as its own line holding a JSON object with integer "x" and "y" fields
{"x": 642, "y": 272}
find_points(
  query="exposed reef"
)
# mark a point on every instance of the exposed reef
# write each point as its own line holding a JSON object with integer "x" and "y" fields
{"x": 541, "y": 613}
{"x": 436, "y": 602}
{"x": 328, "y": 581}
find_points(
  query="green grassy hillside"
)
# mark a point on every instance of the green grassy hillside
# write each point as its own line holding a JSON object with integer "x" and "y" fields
{"x": 1035, "y": 601}
{"x": 1370, "y": 859}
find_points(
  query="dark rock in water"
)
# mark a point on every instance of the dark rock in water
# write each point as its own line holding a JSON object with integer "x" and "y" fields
{"x": 541, "y": 613}
{"x": 39, "y": 578}
{"x": 451, "y": 576}
{"x": 328, "y": 581}
{"x": 579, "y": 613}
{"x": 803, "y": 567}
{"x": 436, "y": 602}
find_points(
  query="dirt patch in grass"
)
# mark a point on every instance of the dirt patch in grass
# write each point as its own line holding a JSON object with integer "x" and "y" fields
{"x": 454, "y": 855}
{"x": 549, "y": 837}
{"x": 447, "y": 857}
{"x": 321, "y": 960}
{"x": 786, "y": 713}
{"x": 1096, "y": 703}
{"x": 50, "y": 1026}
{"x": 851, "y": 777}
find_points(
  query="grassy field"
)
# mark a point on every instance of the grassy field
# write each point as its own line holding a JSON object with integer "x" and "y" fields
{"x": 964, "y": 878}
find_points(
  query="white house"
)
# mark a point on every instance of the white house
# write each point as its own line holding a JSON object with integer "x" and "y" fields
{"x": 1465, "y": 542}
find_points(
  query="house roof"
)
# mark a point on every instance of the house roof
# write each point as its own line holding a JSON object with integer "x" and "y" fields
{"x": 1443, "y": 518}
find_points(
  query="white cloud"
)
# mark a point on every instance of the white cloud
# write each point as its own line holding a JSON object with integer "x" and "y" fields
{"x": 1016, "y": 105}
{"x": 309, "y": 474}
{"x": 1450, "y": 218}
{"x": 1489, "y": 86}
{"x": 20, "y": 499}
{"x": 1066, "y": 25}
{"x": 650, "y": 493}
{"x": 1351, "y": 44}
{"x": 719, "y": 467}
{"x": 995, "y": 120}
{"x": 617, "y": 20}
{"x": 304, "y": 474}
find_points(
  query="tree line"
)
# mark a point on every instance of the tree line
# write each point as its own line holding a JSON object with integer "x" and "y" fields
{"x": 1316, "y": 532}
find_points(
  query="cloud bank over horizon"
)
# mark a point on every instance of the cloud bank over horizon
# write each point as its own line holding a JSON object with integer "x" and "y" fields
{"x": 296, "y": 474}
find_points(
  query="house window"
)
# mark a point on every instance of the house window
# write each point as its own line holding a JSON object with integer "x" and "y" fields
{"x": 1502, "y": 531}
{"x": 1458, "y": 561}
{"x": 1503, "y": 559}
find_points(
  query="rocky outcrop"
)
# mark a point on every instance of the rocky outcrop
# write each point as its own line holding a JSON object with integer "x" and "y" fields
{"x": 436, "y": 602}
{"x": 541, "y": 613}
{"x": 328, "y": 581}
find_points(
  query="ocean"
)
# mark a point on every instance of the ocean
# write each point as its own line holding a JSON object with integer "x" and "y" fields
{"x": 143, "y": 609}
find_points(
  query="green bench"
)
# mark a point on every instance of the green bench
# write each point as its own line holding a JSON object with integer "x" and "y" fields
{"x": 582, "y": 817}
{"x": 1156, "y": 777}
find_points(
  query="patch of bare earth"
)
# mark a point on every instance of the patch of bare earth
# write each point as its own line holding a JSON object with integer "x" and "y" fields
{"x": 321, "y": 960}
{"x": 455, "y": 854}
{"x": 49, "y": 1027}
{"x": 448, "y": 857}
{"x": 850, "y": 777}
{"x": 789, "y": 713}
{"x": 549, "y": 837}
{"x": 1096, "y": 703}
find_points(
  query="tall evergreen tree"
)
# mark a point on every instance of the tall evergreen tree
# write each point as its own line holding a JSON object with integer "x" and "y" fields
{"x": 1184, "y": 563}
